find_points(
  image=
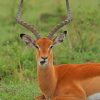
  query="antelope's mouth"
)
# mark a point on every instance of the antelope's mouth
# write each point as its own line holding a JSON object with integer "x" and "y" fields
{"x": 43, "y": 62}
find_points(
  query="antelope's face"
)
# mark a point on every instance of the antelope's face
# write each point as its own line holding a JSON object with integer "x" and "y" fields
{"x": 43, "y": 47}
{"x": 44, "y": 51}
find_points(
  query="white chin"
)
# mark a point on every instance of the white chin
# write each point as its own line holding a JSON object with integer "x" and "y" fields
{"x": 43, "y": 65}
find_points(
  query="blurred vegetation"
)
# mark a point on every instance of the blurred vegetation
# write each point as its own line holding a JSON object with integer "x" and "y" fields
{"x": 17, "y": 61}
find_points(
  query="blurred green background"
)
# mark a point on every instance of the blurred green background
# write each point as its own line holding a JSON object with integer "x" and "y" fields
{"x": 17, "y": 61}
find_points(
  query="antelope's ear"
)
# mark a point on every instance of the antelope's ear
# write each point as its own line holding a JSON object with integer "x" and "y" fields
{"x": 60, "y": 38}
{"x": 27, "y": 39}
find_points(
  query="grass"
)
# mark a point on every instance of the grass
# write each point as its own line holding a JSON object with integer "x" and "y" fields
{"x": 22, "y": 91}
{"x": 17, "y": 62}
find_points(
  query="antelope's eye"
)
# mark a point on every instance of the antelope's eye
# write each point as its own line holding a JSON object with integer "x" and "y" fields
{"x": 36, "y": 46}
{"x": 51, "y": 46}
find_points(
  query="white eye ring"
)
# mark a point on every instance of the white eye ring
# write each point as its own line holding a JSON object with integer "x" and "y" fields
{"x": 51, "y": 47}
{"x": 37, "y": 47}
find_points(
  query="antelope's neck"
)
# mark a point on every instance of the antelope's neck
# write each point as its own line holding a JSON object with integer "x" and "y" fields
{"x": 47, "y": 80}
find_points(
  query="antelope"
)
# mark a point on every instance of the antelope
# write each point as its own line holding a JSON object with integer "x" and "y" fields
{"x": 65, "y": 81}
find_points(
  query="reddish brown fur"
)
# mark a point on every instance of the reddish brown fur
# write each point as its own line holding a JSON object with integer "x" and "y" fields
{"x": 67, "y": 81}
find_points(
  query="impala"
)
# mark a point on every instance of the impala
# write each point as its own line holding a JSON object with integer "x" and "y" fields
{"x": 60, "y": 82}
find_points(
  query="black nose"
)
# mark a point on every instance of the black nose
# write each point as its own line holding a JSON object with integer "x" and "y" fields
{"x": 44, "y": 58}
{"x": 42, "y": 62}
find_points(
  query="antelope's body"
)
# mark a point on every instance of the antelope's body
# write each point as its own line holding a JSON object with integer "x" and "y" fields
{"x": 60, "y": 82}
{"x": 64, "y": 82}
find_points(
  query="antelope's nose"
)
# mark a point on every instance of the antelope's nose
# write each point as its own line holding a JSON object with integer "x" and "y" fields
{"x": 44, "y": 58}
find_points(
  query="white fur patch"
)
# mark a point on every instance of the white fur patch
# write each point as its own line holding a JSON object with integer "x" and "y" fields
{"x": 94, "y": 97}
{"x": 43, "y": 65}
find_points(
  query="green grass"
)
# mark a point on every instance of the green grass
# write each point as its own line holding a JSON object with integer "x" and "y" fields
{"x": 22, "y": 91}
{"x": 17, "y": 61}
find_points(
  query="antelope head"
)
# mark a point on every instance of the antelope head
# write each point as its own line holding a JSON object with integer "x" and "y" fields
{"x": 43, "y": 45}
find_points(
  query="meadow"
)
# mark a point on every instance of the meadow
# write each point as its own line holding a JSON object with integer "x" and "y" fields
{"x": 17, "y": 61}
